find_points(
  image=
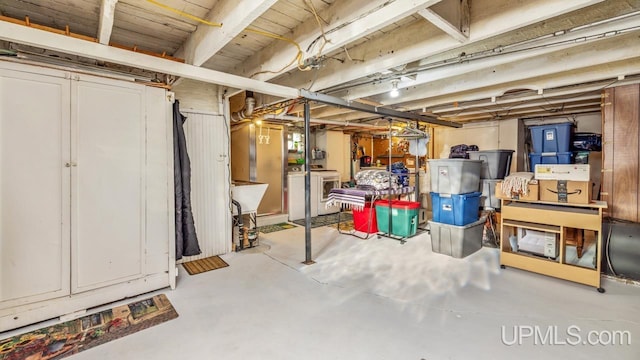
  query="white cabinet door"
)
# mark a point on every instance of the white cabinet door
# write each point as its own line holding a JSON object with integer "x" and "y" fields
{"x": 335, "y": 151}
{"x": 34, "y": 186}
{"x": 107, "y": 210}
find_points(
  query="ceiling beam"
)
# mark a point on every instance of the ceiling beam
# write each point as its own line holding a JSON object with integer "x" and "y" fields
{"x": 602, "y": 54}
{"x": 450, "y": 16}
{"x": 325, "y": 122}
{"x": 490, "y": 18}
{"x": 508, "y": 54}
{"x": 234, "y": 15}
{"x": 330, "y": 100}
{"x": 348, "y": 22}
{"x": 528, "y": 104}
{"x": 532, "y": 112}
{"x": 545, "y": 97}
{"x": 107, "y": 15}
{"x": 600, "y": 73}
{"x": 66, "y": 44}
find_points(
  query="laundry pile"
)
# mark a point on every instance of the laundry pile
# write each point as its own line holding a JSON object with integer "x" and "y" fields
{"x": 376, "y": 180}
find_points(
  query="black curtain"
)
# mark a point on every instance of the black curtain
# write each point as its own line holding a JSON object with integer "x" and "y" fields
{"x": 186, "y": 238}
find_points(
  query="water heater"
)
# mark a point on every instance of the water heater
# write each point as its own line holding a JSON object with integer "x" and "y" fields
{"x": 621, "y": 242}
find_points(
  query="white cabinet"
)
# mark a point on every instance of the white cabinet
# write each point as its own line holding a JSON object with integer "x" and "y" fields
{"x": 86, "y": 192}
{"x": 296, "y": 196}
{"x": 338, "y": 152}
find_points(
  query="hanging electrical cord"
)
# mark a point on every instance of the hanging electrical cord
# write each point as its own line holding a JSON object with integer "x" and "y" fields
{"x": 182, "y": 13}
{"x": 299, "y": 55}
{"x": 298, "y": 58}
{"x": 361, "y": 16}
{"x": 317, "y": 17}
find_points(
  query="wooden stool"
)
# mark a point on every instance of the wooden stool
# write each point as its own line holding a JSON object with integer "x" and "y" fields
{"x": 575, "y": 237}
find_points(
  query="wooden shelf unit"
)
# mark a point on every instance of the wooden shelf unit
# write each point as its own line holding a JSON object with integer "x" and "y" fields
{"x": 555, "y": 218}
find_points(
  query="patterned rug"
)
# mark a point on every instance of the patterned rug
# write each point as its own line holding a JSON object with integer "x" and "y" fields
{"x": 68, "y": 338}
{"x": 275, "y": 227}
{"x": 326, "y": 220}
{"x": 345, "y": 226}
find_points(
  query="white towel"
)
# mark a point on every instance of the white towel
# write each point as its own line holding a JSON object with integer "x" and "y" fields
{"x": 517, "y": 183}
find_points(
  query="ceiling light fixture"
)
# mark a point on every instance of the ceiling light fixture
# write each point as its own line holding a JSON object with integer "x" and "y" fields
{"x": 394, "y": 89}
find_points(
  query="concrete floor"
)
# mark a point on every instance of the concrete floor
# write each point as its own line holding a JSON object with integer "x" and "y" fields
{"x": 378, "y": 299}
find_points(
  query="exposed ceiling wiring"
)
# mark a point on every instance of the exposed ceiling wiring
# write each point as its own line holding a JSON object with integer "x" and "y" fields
{"x": 182, "y": 13}
{"x": 494, "y": 52}
{"x": 299, "y": 54}
{"x": 361, "y": 16}
{"x": 318, "y": 18}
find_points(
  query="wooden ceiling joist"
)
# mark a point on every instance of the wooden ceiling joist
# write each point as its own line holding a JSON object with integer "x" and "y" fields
{"x": 27, "y": 22}
{"x": 66, "y": 44}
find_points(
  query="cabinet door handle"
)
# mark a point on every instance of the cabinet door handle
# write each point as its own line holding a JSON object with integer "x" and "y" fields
{"x": 70, "y": 164}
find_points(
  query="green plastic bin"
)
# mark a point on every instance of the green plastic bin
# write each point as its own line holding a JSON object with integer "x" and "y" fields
{"x": 404, "y": 216}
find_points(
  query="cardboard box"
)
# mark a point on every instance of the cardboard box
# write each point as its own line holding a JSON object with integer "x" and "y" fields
{"x": 574, "y": 192}
{"x": 531, "y": 196}
{"x": 569, "y": 172}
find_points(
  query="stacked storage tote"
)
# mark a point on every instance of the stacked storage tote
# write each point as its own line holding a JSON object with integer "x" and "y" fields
{"x": 495, "y": 167}
{"x": 551, "y": 144}
{"x": 456, "y": 229}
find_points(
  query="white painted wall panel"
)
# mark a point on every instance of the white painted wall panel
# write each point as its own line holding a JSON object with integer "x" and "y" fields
{"x": 485, "y": 135}
{"x": 197, "y": 95}
{"x": 488, "y": 135}
{"x": 208, "y": 145}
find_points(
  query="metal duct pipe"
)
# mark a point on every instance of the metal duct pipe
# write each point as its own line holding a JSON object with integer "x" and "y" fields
{"x": 322, "y": 121}
{"x": 249, "y": 106}
{"x": 240, "y": 225}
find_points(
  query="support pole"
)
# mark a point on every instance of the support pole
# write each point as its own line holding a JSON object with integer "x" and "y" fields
{"x": 307, "y": 184}
{"x": 417, "y": 167}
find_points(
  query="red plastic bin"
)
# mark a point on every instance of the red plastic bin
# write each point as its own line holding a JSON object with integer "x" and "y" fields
{"x": 362, "y": 217}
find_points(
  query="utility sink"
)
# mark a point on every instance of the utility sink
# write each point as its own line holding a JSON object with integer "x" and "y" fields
{"x": 248, "y": 194}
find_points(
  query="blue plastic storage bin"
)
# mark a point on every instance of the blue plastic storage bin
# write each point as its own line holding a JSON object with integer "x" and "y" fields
{"x": 452, "y": 209}
{"x": 549, "y": 158}
{"x": 551, "y": 138}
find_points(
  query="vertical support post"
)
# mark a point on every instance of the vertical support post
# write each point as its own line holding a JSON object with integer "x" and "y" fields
{"x": 307, "y": 184}
{"x": 416, "y": 167}
{"x": 391, "y": 178}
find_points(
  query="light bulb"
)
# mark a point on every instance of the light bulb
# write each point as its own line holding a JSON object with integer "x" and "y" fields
{"x": 394, "y": 89}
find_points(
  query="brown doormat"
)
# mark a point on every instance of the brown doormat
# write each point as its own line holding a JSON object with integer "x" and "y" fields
{"x": 71, "y": 337}
{"x": 203, "y": 265}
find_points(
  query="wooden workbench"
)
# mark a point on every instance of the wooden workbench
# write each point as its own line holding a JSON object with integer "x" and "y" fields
{"x": 552, "y": 218}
